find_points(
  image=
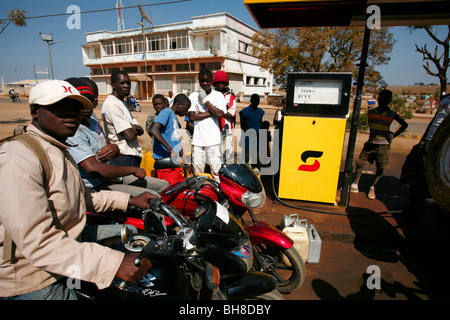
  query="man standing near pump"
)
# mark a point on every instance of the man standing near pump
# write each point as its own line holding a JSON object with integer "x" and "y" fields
{"x": 378, "y": 147}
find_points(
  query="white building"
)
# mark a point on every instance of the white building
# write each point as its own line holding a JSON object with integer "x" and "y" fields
{"x": 174, "y": 54}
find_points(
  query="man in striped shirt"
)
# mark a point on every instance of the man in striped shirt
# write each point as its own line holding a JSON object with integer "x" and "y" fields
{"x": 378, "y": 147}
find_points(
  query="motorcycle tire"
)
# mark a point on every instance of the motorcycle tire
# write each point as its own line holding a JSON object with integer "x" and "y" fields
{"x": 437, "y": 165}
{"x": 289, "y": 277}
{"x": 138, "y": 108}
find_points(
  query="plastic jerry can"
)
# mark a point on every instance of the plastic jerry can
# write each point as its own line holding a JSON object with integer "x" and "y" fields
{"x": 148, "y": 163}
{"x": 315, "y": 245}
{"x": 299, "y": 234}
{"x": 289, "y": 221}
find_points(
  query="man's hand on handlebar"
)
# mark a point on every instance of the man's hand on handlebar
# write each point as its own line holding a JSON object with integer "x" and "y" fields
{"x": 141, "y": 201}
{"x": 131, "y": 273}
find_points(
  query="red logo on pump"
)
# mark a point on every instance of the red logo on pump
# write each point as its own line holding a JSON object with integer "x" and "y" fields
{"x": 310, "y": 167}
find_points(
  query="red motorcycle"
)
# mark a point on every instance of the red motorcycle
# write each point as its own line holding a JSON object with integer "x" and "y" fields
{"x": 240, "y": 190}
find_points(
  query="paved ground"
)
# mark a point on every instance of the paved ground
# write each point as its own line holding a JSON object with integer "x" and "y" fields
{"x": 407, "y": 247}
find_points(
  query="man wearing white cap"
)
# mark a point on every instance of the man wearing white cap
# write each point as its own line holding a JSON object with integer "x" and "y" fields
{"x": 43, "y": 215}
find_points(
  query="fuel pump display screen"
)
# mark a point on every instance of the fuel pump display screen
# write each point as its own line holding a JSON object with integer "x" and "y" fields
{"x": 318, "y": 94}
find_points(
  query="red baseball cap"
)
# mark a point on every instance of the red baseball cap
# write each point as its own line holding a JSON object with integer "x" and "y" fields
{"x": 220, "y": 76}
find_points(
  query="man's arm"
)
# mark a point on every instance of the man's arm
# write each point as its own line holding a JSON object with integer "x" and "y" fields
{"x": 243, "y": 120}
{"x": 231, "y": 112}
{"x": 132, "y": 133}
{"x": 198, "y": 116}
{"x": 107, "y": 171}
{"x": 215, "y": 112}
{"x": 403, "y": 125}
{"x": 108, "y": 152}
{"x": 204, "y": 96}
{"x": 155, "y": 130}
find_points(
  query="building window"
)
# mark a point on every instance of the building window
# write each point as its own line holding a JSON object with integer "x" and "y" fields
{"x": 123, "y": 46}
{"x": 111, "y": 70}
{"x": 178, "y": 40}
{"x": 138, "y": 44}
{"x": 255, "y": 81}
{"x": 245, "y": 47}
{"x": 149, "y": 69}
{"x": 185, "y": 67}
{"x": 163, "y": 67}
{"x": 185, "y": 84}
{"x": 130, "y": 69}
{"x": 97, "y": 53}
{"x": 97, "y": 71}
{"x": 209, "y": 42}
{"x": 163, "y": 84}
{"x": 108, "y": 48}
{"x": 211, "y": 65}
{"x": 157, "y": 42}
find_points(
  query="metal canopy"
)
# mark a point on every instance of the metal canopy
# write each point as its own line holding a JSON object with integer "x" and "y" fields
{"x": 315, "y": 13}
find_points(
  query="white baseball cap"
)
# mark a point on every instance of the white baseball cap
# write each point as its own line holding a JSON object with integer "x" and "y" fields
{"x": 52, "y": 91}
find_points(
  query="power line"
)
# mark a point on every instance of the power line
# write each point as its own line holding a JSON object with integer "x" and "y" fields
{"x": 102, "y": 10}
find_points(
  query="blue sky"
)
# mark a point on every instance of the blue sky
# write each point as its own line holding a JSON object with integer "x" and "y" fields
{"x": 22, "y": 48}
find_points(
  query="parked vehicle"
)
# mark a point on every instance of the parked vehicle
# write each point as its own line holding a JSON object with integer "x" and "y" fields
{"x": 209, "y": 256}
{"x": 437, "y": 165}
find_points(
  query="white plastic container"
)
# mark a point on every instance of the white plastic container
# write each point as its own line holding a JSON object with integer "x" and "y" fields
{"x": 297, "y": 230}
{"x": 306, "y": 239}
{"x": 315, "y": 245}
{"x": 289, "y": 221}
{"x": 301, "y": 242}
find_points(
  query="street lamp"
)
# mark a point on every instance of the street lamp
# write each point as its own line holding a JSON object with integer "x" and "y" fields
{"x": 49, "y": 38}
{"x": 145, "y": 57}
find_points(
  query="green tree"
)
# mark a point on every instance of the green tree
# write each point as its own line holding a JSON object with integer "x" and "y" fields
{"x": 399, "y": 105}
{"x": 322, "y": 49}
{"x": 15, "y": 16}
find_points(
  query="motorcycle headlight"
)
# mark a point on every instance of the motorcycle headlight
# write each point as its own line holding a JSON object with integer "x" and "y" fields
{"x": 254, "y": 200}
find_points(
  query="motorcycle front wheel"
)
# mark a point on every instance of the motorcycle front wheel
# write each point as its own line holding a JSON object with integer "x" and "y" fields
{"x": 290, "y": 276}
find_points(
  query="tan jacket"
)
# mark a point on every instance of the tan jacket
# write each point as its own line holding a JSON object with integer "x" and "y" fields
{"x": 45, "y": 229}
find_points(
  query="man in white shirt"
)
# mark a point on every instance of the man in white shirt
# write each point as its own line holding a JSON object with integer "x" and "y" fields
{"x": 207, "y": 106}
{"x": 120, "y": 126}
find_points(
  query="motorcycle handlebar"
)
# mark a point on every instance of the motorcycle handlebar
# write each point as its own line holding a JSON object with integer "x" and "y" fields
{"x": 176, "y": 188}
{"x": 125, "y": 284}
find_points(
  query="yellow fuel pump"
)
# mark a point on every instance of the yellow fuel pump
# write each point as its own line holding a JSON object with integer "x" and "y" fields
{"x": 313, "y": 135}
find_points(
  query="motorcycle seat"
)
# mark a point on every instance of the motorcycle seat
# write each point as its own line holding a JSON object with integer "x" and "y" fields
{"x": 166, "y": 163}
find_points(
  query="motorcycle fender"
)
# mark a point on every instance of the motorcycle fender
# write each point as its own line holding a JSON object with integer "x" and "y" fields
{"x": 263, "y": 233}
{"x": 250, "y": 285}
